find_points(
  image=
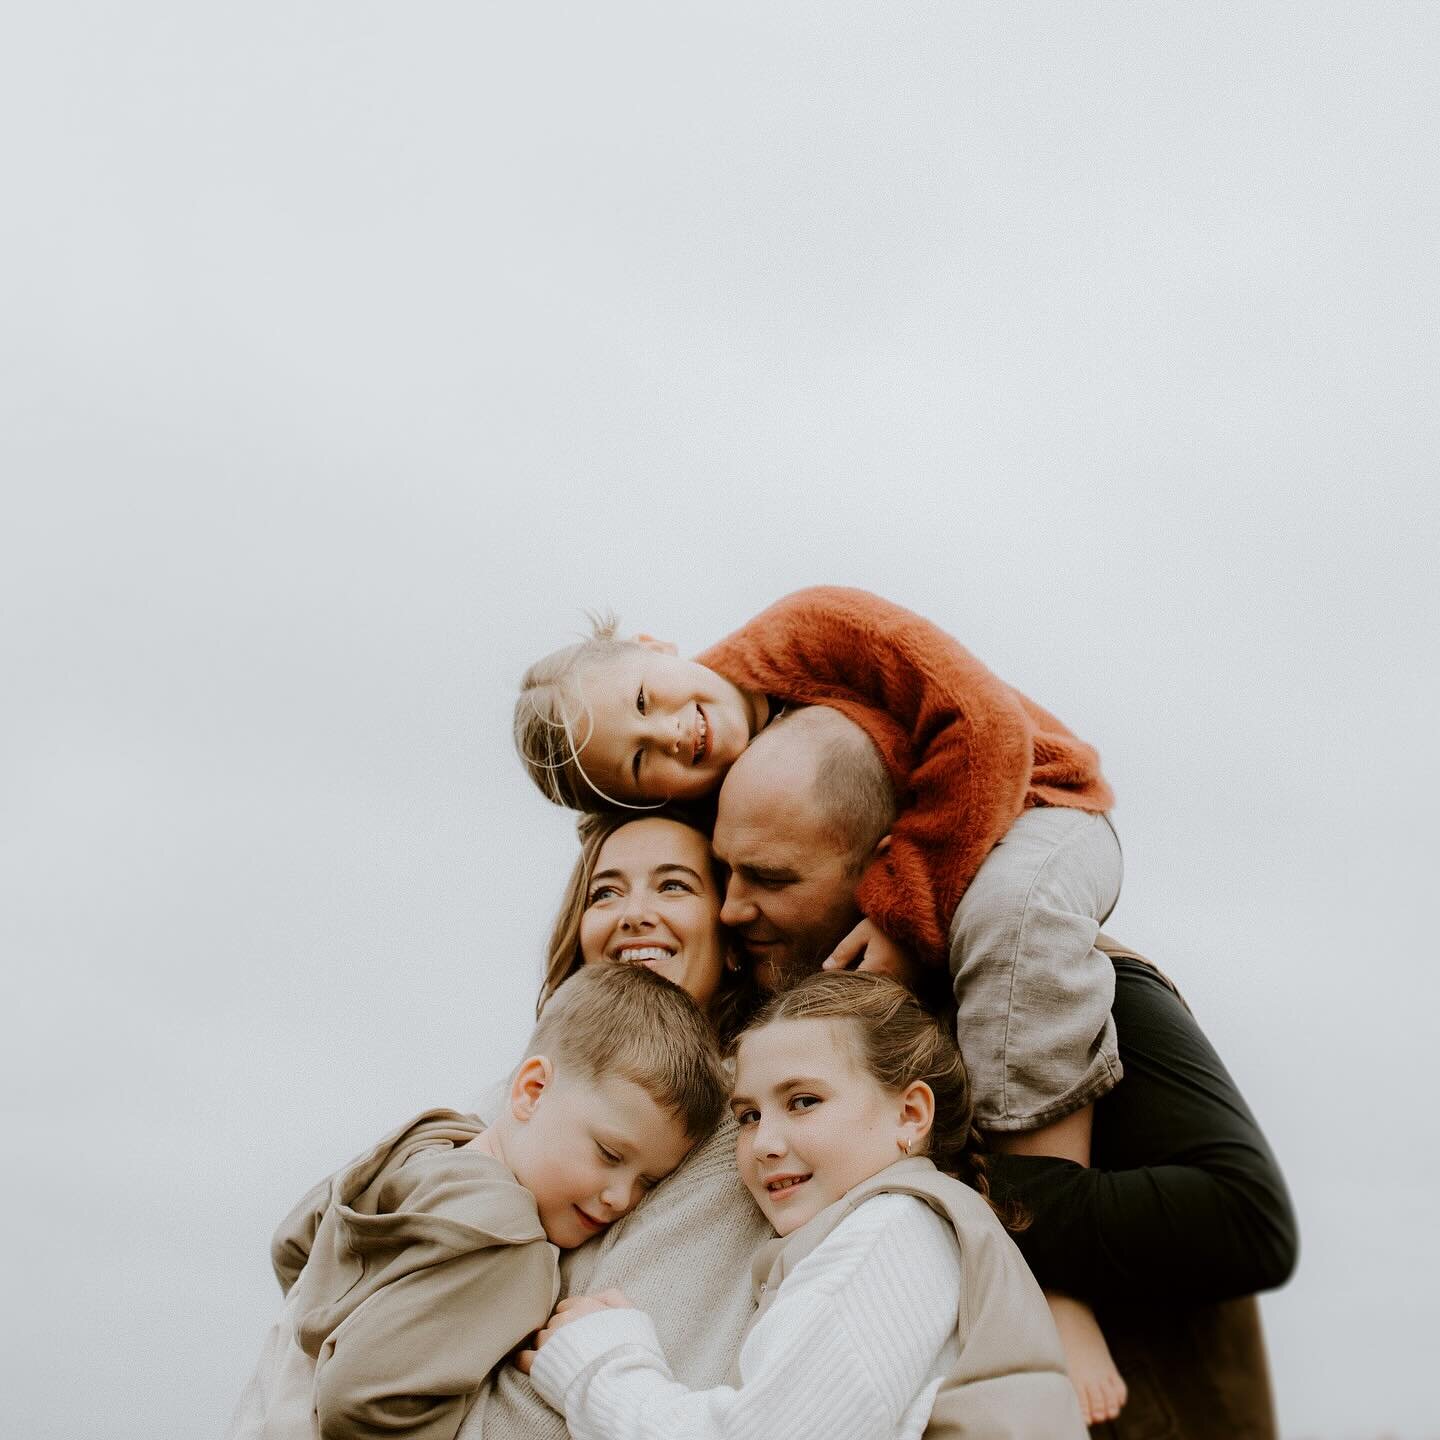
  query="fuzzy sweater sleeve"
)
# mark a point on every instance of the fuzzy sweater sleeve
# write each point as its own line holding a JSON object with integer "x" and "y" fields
{"x": 850, "y": 1349}
{"x": 957, "y": 741}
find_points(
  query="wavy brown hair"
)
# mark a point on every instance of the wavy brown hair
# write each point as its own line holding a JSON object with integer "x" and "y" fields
{"x": 738, "y": 996}
{"x": 897, "y": 1042}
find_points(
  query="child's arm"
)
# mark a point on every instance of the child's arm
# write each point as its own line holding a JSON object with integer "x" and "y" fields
{"x": 961, "y": 742}
{"x": 410, "y": 1359}
{"x": 843, "y": 1352}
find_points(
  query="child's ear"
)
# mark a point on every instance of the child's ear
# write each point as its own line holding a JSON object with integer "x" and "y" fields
{"x": 917, "y": 1116}
{"x": 534, "y": 1074}
{"x": 660, "y": 647}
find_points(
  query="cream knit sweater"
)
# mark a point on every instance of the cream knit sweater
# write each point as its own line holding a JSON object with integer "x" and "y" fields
{"x": 683, "y": 1255}
{"x": 852, "y": 1348}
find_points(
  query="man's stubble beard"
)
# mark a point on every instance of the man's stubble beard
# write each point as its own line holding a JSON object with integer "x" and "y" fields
{"x": 774, "y": 976}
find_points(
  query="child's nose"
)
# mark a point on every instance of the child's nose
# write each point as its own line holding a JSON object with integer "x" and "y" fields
{"x": 618, "y": 1196}
{"x": 666, "y": 730}
{"x": 769, "y": 1139}
{"x": 669, "y": 738}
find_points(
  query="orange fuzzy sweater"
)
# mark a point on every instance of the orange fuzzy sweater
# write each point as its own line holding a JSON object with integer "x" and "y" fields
{"x": 965, "y": 752}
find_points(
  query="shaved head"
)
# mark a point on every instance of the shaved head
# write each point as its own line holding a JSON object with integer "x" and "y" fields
{"x": 819, "y": 752}
{"x": 800, "y": 814}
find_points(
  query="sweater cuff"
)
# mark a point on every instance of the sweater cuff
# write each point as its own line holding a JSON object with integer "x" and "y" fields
{"x": 576, "y": 1347}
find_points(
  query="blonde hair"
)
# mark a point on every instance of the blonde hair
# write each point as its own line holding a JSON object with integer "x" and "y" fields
{"x": 550, "y": 704}
{"x": 738, "y": 996}
{"x": 624, "y": 1020}
{"x": 897, "y": 1042}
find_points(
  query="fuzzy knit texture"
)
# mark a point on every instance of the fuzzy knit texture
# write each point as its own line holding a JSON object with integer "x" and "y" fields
{"x": 965, "y": 752}
{"x": 853, "y": 1347}
{"x": 683, "y": 1254}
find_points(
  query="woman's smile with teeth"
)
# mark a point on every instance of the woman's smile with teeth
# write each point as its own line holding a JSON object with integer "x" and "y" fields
{"x": 639, "y": 954}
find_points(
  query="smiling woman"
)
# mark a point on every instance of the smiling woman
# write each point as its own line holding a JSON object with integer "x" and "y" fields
{"x": 645, "y": 892}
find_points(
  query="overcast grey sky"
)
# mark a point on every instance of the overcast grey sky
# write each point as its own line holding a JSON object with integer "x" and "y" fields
{"x": 349, "y": 351}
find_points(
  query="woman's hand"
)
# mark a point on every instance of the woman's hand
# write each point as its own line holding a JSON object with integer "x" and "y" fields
{"x": 573, "y": 1307}
{"x": 869, "y": 948}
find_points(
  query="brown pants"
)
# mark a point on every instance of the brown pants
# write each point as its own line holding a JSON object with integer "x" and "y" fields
{"x": 1197, "y": 1373}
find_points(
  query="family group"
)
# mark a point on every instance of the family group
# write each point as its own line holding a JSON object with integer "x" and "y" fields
{"x": 842, "y": 1116}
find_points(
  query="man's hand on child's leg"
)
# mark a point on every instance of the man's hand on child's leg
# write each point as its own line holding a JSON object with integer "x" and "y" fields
{"x": 1092, "y": 1372}
{"x": 869, "y": 948}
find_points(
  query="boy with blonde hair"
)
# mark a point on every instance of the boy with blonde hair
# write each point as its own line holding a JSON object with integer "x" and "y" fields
{"x": 412, "y": 1272}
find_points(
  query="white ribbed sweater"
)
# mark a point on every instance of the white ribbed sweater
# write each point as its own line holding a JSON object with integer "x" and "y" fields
{"x": 852, "y": 1348}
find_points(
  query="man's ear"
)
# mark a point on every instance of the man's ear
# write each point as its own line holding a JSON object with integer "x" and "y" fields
{"x": 881, "y": 845}
{"x": 660, "y": 647}
{"x": 534, "y": 1074}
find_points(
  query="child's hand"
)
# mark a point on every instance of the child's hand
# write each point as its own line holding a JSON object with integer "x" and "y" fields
{"x": 875, "y": 953}
{"x": 573, "y": 1307}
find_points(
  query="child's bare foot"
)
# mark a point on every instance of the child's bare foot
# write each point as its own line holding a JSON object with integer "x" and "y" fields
{"x": 1092, "y": 1372}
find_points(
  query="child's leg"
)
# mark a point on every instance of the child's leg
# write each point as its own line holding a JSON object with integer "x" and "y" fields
{"x": 1034, "y": 1023}
{"x": 1033, "y": 993}
{"x": 1092, "y": 1372}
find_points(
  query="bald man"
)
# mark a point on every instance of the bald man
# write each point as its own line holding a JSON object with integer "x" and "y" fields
{"x": 1184, "y": 1211}
{"x": 800, "y": 815}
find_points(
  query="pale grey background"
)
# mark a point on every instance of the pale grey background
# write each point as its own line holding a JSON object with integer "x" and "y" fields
{"x": 349, "y": 351}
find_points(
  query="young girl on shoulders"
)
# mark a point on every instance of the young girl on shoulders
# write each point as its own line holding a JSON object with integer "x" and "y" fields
{"x": 893, "y": 1301}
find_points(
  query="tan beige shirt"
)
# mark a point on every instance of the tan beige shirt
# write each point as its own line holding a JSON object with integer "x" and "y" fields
{"x": 410, "y": 1275}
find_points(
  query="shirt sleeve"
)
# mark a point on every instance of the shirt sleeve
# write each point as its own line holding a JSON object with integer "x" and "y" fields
{"x": 1184, "y": 1201}
{"x": 842, "y": 1354}
{"x": 411, "y": 1357}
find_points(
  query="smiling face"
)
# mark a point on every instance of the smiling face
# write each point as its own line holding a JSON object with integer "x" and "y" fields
{"x": 653, "y": 901}
{"x": 587, "y": 1150}
{"x": 660, "y": 728}
{"x": 813, "y": 1121}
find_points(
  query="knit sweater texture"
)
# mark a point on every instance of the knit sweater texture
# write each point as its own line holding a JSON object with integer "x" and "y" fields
{"x": 965, "y": 752}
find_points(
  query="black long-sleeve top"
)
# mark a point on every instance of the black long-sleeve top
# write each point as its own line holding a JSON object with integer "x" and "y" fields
{"x": 1183, "y": 1201}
